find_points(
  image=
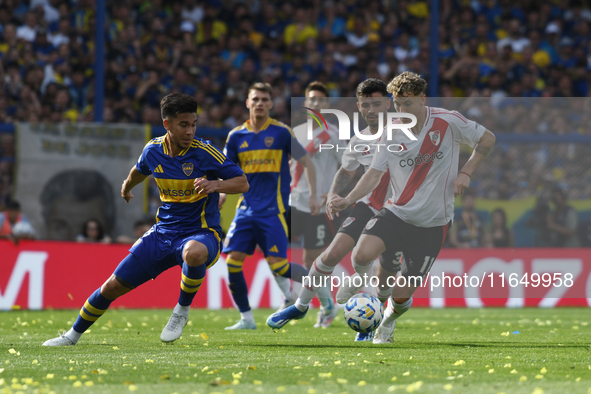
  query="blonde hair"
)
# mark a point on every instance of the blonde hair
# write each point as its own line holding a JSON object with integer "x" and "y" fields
{"x": 407, "y": 82}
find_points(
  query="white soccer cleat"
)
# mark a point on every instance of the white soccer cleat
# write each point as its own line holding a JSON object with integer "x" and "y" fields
{"x": 174, "y": 328}
{"x": 348, "y": 290}
{"x": 327, "y": 315}
{"x": 62, "y": 340}
{"x": 384, "y": 334}
{"x": 243, "y": 324}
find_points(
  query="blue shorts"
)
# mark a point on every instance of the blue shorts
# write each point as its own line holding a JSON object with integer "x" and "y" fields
{"x": 159, "y": 250}
{"x": 269, "y": 232}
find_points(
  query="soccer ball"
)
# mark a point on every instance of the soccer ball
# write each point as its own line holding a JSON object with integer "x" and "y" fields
{"x": 364, "y": 312}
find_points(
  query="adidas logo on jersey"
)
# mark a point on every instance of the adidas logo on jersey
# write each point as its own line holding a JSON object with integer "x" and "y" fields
{"x": 159, "y": 169}
{"x": 244, "y": 145}
{"x": 274, "y": 249}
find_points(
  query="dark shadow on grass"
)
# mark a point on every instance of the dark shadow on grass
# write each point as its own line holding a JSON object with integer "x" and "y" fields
{"x": 414, "y": 345}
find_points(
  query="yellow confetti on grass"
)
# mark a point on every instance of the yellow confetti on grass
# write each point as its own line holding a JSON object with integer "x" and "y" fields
{"x": 281, "y": 389}
{"x": 342, "y": 381}
{"x": 448, "y": 387}
{"x": 513, "y": 371}
{"x": 577, "y": 380}
{"x": 492, "y": 370}
{"x": 297, "y": 367}
{"x": 254, "y": 368}
{"x": 338, "y": 362}
{"x": 77, "y": 384}
{"x": 539, "y": 376}
{"x": 459, "y": 362}
{"x": 543, "y": 370}
{"x": 407, "y": 373}
{"x": 538, "y": 390}
{"x": 257, "y": 382}
{"x": 115, "y": 348}
{"x": 414, "y": 386}
{"x": 204, "y": 336}
{"x": 11, "y": 351}
{"x": 325, "y": 375}
{"x": 312, "y": 391}
{"x": 89, "y": 383}
{"x": 362, "y": 383}
{"x": 394, "y": 378}
{"x": 49, "y": 376}
{"x": 149, "y": 361}
{"x": 508, "y": 365}
{"x": 523, "y": 378}
{"x": 132, "y": 387}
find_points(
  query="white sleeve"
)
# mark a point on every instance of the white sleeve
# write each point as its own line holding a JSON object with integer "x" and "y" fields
{"x": 349, "y": 161}
{"x": 380, "y": 159}
{"x": 466, "y": 131}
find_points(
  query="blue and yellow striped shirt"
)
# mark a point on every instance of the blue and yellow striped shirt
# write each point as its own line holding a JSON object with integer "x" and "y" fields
{"x": 264, "y": 158}
{"x": 183, "y": 208}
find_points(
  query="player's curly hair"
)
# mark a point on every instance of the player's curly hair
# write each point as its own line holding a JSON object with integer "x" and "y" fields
{"x": 407, "y": 82}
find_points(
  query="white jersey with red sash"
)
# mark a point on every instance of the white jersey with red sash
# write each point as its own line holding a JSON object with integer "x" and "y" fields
{"x": 326, "y": 164}
{"x": 361, "y": 153}
{"x": 422, "y": 174}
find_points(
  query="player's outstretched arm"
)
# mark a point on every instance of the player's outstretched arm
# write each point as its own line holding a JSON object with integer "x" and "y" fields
{"x": 310, "y": 173}
{"x": 236, "y": 185}
{"x": 366, "y": 184}
{"x": 341, "y": 180}
{"x": 484, "y": 146}
{"x": 134, "y": 178}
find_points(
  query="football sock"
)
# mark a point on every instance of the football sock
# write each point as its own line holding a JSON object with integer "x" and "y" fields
{"x": 237, "y": 284}
{"x": 192, "y": 278}
{"x": 93, "y": 308}
{"x": 292, "y": 271}
{"x": 285, "y": 285}
{"x": 364, "y": 271}
{"x": 384, "y": 293}
{"x": 182, "y": 310}
{"x": 247, "y": 315}
{"x": 394, "y": 310}
{"x": 323, "y": 296}
{"x": 317, "y": 275}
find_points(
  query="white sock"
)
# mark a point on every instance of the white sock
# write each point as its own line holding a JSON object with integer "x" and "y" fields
{"x": 365, "y": 271}
{"x": 284, "y": 284}
{"x": 315, "y": 280}
{"x": 73, "y": 335}
{"x": 247, "y": 315}
{"x": 182, "y": 310}
{"x": 394, "y": 310}
{"x": 324, "y": 295}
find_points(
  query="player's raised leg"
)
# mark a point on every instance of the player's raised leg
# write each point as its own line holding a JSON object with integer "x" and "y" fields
{"x": 129, "y": 271}
{"x": 320, "y": 273}
{"x": 197, "y": 254}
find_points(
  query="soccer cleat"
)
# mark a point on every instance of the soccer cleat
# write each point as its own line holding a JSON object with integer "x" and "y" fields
{"x": 243, "y": 324}
{"x": 327, "y": 315}
{"x": 281, "y": 318}
{"x": 364, "y": 336}
{"x": 384, "y": 334}
{"x": 174, "y": 328}
{"x": 348, "y": 290}
{"x": 62, "y": 340}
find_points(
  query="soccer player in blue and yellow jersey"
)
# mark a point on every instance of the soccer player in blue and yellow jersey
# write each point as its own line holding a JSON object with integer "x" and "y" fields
{"x": 262, "y": 147}
{"x": 190, "y": 174}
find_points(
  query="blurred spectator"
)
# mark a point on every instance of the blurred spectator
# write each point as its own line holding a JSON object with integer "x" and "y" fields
{"x": 140, "y": 227}
{"x": 468, "y": 230}
{"x": 500, "y": 235}
{"x": 14, "y": 225}
{"x": 92, "y": 231}
{"x": 562, "y": 222}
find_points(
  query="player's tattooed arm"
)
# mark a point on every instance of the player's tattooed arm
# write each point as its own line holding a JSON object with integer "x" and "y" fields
{"x": 483, "y": 150}
{"x": 340, "y": 181}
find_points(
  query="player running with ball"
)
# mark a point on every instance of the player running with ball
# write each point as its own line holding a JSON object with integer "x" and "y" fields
{"x": 373, "y": 99}
{"x": 425, "y": 179}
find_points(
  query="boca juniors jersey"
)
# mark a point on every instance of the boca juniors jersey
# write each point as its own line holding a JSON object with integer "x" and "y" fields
{"x": 264, "y": 158}
{"x": 183, "y": 208}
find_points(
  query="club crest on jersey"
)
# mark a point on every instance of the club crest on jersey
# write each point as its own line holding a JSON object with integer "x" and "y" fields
{"x": 269, "y": 141}
{"x": 371, "y": 223}
{"x": 348, "y": 221}
{"x": 435, "y": 137}
{"x": 188, "y": 168}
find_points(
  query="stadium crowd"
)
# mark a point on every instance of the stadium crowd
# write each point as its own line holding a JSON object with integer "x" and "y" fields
{"x": 214, "y": 50}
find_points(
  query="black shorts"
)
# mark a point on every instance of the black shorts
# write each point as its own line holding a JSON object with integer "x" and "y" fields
{"x": 419, "y": 245}
{"x": 355, "y": 223}
{"x": 317, "y": 230}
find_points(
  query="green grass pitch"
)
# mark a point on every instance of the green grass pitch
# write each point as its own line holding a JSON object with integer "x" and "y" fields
{"x": 435, "y": 351}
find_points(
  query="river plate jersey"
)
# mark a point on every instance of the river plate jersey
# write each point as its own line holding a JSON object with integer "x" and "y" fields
{"x": 264, "y": 158}
{"x": 183, "y": 208}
